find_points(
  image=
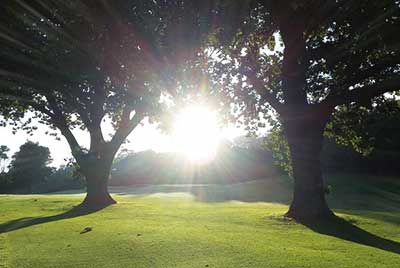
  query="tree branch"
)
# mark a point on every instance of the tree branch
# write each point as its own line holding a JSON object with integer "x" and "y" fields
{"x": 364, "y": 93}
{"x": 373, "y": 71}
{"x": 58, "y": 119}
{"x": 257, "y": 82}
{"x": 126, "y": 126}
{"x": 259, "y": 86}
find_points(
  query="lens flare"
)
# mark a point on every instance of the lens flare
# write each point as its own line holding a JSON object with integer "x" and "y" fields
{"x": 196, "y": 133}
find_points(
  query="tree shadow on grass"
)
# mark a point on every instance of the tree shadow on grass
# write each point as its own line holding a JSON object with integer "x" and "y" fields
{"x": 20, "y": 223}
{"x": 343, "y": 229}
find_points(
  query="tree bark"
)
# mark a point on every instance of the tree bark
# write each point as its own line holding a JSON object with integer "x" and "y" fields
{"x": 97, "y": 172}
{"x": 305, "y": 139}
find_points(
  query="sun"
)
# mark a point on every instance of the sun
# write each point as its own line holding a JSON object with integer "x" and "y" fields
{"x": 196, "y": 133}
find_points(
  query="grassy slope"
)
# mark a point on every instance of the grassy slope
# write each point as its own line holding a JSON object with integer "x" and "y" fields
{"x": 154, "y": 227}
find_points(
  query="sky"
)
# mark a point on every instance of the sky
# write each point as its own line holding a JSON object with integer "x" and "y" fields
{"x": 144, "y": 137}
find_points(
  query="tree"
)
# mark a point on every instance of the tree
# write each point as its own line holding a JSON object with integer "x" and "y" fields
{"x": 278, "y": 145}
{"x": 302, "y": 60}
{"x": 76, "y": 64}
{"x": 62, "y": 178}
{"x": 367, "y": 129}
{"x": 3, "y": 157}
{"x": 29, "y": 166}
{"x": 5, "y": 180}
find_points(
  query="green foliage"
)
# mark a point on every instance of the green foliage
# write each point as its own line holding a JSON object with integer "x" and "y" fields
{"x": 3, "y": 151}
{"x": 63, "y": 178}
{"x": 76, "y": 56}
{"x": 29, "y": 166}
{"x": 303, "y": 59}
{"x": 340, "y": 52}
{"x": 356, "y": 140}
{"x": 336, "y": 157}
{"x": 366, "y": 129}
{"x": 94, "y": 60}
{"x": 6, "y": 182}
{"x": 278, "y": 145}
{"x": 3, "y": 157}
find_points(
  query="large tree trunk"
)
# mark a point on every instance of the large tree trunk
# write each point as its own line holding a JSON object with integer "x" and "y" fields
{"x": 305, "y": 138}
{"x": 97, "y": 173}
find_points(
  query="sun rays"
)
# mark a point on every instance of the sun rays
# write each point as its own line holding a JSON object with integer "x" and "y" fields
{"x": 196, "y": 133}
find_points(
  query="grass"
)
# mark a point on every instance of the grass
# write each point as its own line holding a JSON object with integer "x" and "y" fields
{"x": 203, "y": 226}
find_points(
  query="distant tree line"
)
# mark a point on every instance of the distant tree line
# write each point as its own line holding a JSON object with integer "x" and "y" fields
{"x": 243, "y": 163}
{"x": 28, "y": 171}
{"x": 231, "y": 165}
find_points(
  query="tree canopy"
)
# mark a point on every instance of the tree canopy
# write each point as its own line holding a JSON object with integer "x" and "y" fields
{"x": 29, "y": 166}
{"x": 302, "y": 60}
{"x": 370, "y": 128}
{"x": 76, "y": 64}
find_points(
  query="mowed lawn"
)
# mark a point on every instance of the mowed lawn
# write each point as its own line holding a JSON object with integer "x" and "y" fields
{"x": 189, "y": 226}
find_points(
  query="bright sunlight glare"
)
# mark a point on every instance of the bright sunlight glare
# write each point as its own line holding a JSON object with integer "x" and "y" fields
{"x": 196, "y": 133}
